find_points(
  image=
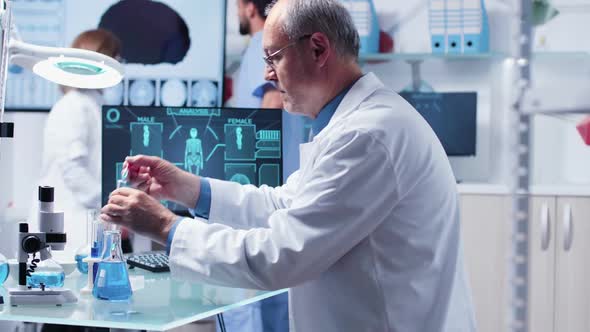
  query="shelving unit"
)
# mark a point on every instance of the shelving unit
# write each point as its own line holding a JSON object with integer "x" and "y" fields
{"x": 534, "y": 56}
{"x": 429, "y": 56}
{"x": 232, "y": 61}
{"x": 559, "y": 288}
{"x": 519, "y": 278}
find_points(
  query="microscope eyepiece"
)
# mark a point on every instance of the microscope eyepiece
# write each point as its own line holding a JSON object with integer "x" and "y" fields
{"x": 46, "y": 194}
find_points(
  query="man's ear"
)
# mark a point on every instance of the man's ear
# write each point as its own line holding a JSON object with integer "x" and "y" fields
{"x": 251, "y": 10}
{"x": 320, "y": 47}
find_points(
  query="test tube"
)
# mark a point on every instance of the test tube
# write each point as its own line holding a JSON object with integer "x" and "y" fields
{"x": 96, "y": 234}
{"x": 121, "y": 183}
{"x": 96, "y": 227}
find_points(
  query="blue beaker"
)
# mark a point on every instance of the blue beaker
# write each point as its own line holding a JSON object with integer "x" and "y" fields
{"x": 112, "y": 279}
{"x": 4, "y": 269}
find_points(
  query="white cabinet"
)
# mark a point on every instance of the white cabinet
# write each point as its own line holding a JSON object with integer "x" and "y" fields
{"x": 572, "y": 273}
{"x": 559, "y": 287}
{"x": 542, "y": 264}
{"x": 559, "y": 266}
{"x": 485, "y": 234}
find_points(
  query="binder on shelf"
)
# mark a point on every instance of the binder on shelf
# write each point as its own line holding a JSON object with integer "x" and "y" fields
{"x": 438, "y": 25}
{"x": 458, "y": 26}
{"x": 365, "y": 20}
{"x": 475, "y": 27}
{"x": 454, "y": 22}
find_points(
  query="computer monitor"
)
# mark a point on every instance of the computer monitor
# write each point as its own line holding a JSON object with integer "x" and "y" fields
{"x": 235, "y": 144}
{"x": 452, "y": 116}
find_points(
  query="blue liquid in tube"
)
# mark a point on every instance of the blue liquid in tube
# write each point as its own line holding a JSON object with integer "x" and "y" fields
{"x": 4, "y": 269}
{"x": 112, "y": 281}
{"x": 50, "y": 279}
{"x": 81, "y": 265}
{"x": 95, "y": 251}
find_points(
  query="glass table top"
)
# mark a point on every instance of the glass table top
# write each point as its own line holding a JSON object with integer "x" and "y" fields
{"x": 158, "y": 303}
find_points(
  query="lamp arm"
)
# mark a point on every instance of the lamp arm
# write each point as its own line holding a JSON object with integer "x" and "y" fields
{"x": 26, "y": 55}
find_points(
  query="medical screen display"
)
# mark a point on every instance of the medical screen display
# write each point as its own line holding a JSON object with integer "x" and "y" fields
{"x": 240, "y": 145}
{"x": 452, "y": 116}
{"x": 172, "y": 50}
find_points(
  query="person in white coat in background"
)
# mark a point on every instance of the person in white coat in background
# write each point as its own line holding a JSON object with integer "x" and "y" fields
{"x": 72, "y": 146}
{"x": 366, "y": 233}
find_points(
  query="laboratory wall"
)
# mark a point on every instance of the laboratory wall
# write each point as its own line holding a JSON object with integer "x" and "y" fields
{"x": 407, "y": 22}
{"x": 560, "y": 156}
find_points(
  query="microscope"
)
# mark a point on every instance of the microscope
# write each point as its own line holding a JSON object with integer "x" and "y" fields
{"x": 51, "y": 236}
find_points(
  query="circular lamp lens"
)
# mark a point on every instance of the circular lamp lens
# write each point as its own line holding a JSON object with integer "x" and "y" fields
{"x": 78, "y": 72}
{"x": 79, "y": 68}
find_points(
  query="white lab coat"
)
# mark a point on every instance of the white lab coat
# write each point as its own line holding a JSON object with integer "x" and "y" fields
{"x": 71, "y": 160}
{"x": 366, "y": 234}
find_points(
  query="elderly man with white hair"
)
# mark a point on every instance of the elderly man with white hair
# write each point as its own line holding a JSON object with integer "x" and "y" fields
{"x": 366, "y": 233}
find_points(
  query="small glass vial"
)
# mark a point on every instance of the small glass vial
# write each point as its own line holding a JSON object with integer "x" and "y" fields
{"x": 95, "y": 239}
{"x": 47, "y": 272}
{"x": 112, "y": 279}
{"x": 84, "y": 250}
{"x": 3, "y": 269}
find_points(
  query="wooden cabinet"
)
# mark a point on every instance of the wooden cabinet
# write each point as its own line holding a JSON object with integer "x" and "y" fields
{"x": 485, "y": 234}
{"x": 542, "y": 263}
{"x": 559, "y": 288}
{"x": 559, "y": 266}
{"x": 572, "y": 272}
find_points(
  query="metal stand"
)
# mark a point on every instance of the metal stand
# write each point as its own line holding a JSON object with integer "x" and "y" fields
{"x": 520, "y": 204}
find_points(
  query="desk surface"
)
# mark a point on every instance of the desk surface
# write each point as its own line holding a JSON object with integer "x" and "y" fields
{"x": 158, "y": 304}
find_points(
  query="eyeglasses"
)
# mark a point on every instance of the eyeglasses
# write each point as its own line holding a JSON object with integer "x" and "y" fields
{"x": 270, "y": 59}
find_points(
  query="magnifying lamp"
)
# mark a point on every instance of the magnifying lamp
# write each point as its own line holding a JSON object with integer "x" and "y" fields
{"x": 65, "y": 66}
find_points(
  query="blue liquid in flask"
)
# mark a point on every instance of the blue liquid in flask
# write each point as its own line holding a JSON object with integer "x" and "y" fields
{"x": 112, "y": 281}
{"x": 4, "y": 269}
{"x": 49, "y": 279}
{"x": 80, "y": 264}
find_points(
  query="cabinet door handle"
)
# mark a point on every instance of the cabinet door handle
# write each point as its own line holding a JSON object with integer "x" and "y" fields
{"x": 568, "y": 228}
{"x": 545, "y": 227}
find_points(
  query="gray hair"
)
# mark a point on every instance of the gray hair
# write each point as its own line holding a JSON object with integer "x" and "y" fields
{"x": 326, "y": 16}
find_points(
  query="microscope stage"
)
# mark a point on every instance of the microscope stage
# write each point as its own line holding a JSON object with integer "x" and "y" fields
{"x": 56, "y": 296}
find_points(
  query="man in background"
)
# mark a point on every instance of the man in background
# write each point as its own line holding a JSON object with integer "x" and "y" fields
{"x": 253, "y": 91}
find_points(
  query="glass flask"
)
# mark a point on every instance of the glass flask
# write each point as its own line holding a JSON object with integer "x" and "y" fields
{"x": 3, "y": 269}
{"x": 47, "y": 272}
{"x": 112, "y": 279}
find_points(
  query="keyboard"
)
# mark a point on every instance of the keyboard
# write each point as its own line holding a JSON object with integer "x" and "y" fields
{"x": 154, "y": 261}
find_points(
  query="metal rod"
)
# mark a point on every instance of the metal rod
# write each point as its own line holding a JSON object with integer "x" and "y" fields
{"x": 6, "y": 29}
{"x": 519, "y": 276}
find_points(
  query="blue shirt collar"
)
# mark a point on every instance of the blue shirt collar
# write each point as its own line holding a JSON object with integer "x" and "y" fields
{"x": 319, "y": 123}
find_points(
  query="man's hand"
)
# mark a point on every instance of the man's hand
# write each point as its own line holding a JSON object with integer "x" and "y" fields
{"x": 162, "y": 180}
{"x": 139, "y": 212}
